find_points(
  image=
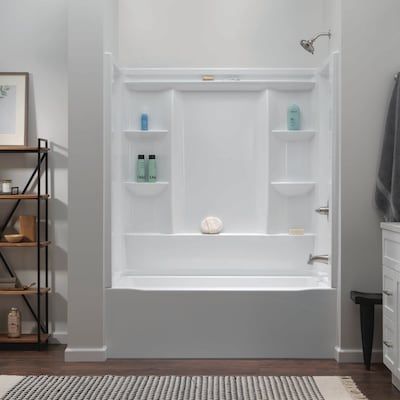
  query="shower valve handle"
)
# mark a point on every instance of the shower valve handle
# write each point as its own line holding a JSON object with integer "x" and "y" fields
{"x": 323, "y": 210}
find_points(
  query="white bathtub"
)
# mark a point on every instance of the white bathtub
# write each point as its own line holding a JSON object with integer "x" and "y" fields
{"x": 220, "y": 283}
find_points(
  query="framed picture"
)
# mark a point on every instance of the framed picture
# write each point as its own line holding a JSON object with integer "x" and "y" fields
{"x": 13, "y": 108}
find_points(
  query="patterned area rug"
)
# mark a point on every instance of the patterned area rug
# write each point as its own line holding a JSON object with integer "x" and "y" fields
{"x": 178, "y": 388}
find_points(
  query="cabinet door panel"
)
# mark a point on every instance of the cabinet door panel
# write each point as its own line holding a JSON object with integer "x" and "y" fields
{"x": 389, "y": 344}
{"x": 391, "y": 249}
{"x": 390, "y": 278}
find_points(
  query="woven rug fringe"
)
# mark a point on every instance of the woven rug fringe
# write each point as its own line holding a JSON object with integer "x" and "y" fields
{"x": 352, "y": 388}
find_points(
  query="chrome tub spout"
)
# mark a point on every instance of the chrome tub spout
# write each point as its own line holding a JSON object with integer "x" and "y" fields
{"x": 322, "y": 259}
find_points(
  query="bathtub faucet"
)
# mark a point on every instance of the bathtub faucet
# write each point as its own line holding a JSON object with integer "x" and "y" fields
{"x": 323, "y": 259}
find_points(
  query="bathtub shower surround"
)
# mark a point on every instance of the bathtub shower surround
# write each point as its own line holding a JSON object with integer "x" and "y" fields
{"x": 224, "y": 148}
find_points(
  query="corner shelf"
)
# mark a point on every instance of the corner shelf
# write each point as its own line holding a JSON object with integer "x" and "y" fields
{"x": 150, "y": 134}
{"x": 146, "y": 188}
{"x": 294, "y": 136}
{"x": 291, "y": 189}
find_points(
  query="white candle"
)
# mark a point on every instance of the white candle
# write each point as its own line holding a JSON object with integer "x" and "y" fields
{"x": 6, "y": 186}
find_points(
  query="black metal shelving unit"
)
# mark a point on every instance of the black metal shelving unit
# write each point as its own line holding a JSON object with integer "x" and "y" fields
{"x": 41, "y": 196}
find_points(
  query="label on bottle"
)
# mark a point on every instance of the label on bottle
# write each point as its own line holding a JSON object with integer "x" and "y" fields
{"x": 14, "y": 325}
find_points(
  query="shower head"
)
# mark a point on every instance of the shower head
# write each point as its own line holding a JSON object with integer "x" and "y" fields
{"x": 308, "y": 45}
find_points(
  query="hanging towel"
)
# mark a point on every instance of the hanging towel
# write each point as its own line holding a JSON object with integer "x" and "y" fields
{"x": 387, "y": 196}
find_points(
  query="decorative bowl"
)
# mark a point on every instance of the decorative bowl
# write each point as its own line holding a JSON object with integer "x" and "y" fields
{"x": 14, "y": 238}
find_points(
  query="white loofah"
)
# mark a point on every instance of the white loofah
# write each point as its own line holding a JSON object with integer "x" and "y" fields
{"x": 211, "y": 225}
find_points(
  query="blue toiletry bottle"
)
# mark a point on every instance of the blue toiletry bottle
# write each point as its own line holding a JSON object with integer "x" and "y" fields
{"x": 293, "y": 117}
{"x": 144, "y": 122}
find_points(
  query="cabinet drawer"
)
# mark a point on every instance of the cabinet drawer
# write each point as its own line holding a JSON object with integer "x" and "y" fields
{"x": 391, "y": 249}
{"x": 389, "y": 290}
{"x": 389, "y": 344}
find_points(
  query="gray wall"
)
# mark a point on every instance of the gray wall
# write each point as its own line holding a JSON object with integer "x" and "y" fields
{"x": 34, "y": 40}
{"x": 370, "y": 57}
{"x": 222, "y": 33}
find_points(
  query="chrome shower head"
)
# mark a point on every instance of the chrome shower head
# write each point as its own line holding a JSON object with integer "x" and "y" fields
{"x": 308, "y": 45}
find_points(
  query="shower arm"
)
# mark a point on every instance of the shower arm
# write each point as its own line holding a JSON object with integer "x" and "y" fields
{"x": 329, "y": 34}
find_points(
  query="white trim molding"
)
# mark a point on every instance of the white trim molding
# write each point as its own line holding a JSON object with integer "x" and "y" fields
{"x": 89, "y": 354}
{"x": 355, "y": 355}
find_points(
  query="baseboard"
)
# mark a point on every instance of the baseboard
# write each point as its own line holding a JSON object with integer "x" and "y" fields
{"x": 396, "y": 382}
{"x": 356, "y": 355}
{"x": 81, "y": 354}
{"x": 58, "y": 338}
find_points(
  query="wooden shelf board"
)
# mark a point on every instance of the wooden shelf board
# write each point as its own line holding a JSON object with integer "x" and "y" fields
{"x": 27, "y": 292}
{"x": 23, "y": 149}
{"x": 24, "y": 339}
{"x": 29, "y": 196}
{"x": 23, "y": 244}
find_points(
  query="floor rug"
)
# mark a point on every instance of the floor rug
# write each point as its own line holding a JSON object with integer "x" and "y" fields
{"x": 178, "y": 388}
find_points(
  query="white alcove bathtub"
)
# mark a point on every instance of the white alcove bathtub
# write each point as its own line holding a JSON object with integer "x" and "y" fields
{"x": 222, "y": 149}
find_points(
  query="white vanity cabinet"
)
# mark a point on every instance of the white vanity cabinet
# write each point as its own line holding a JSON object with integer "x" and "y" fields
{"x": 390, "y": 299}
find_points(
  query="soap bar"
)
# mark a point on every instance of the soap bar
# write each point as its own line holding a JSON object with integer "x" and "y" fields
{"x": 211, "y": 225}
{"x": 296, "y": 231}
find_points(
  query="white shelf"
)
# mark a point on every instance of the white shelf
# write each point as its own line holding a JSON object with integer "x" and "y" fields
{"x": 225, "y": 84}
{"x": 294, "y": 136}
{"x": 150, "y": 134}
{"x": 190, "y": 234}
{"x": 291, "y": 189}
{"x": 146, "y": 188}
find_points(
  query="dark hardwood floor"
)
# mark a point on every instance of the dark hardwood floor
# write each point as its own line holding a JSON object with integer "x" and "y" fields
{"x": 375, "y": 384}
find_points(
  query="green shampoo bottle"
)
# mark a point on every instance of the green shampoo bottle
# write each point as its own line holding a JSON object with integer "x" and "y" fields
{"x": 141, "y": 169}
{"x": 152, "y": 168}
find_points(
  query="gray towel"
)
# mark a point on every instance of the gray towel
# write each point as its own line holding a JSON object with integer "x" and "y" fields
{"x": 387, "y": 196}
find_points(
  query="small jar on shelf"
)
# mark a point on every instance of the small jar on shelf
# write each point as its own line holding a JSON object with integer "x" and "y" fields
{"x": 5, "y": 186}
{"x": 14, "y": 323}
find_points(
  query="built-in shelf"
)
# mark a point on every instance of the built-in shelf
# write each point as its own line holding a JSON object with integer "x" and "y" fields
{"x": 31, "y": 196}
{"x": 22, "y": 292}
{"x": 223, "y": 234}
{"x": 150, "y": 134}
{"x": 293, "y": 188}
{"x": 31, "y": 338}
{"x": 218, "y": 84}
{"x": 146, "y": 188}
{"x": 294, "y": 136}
{"x": 23, "y": 244}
